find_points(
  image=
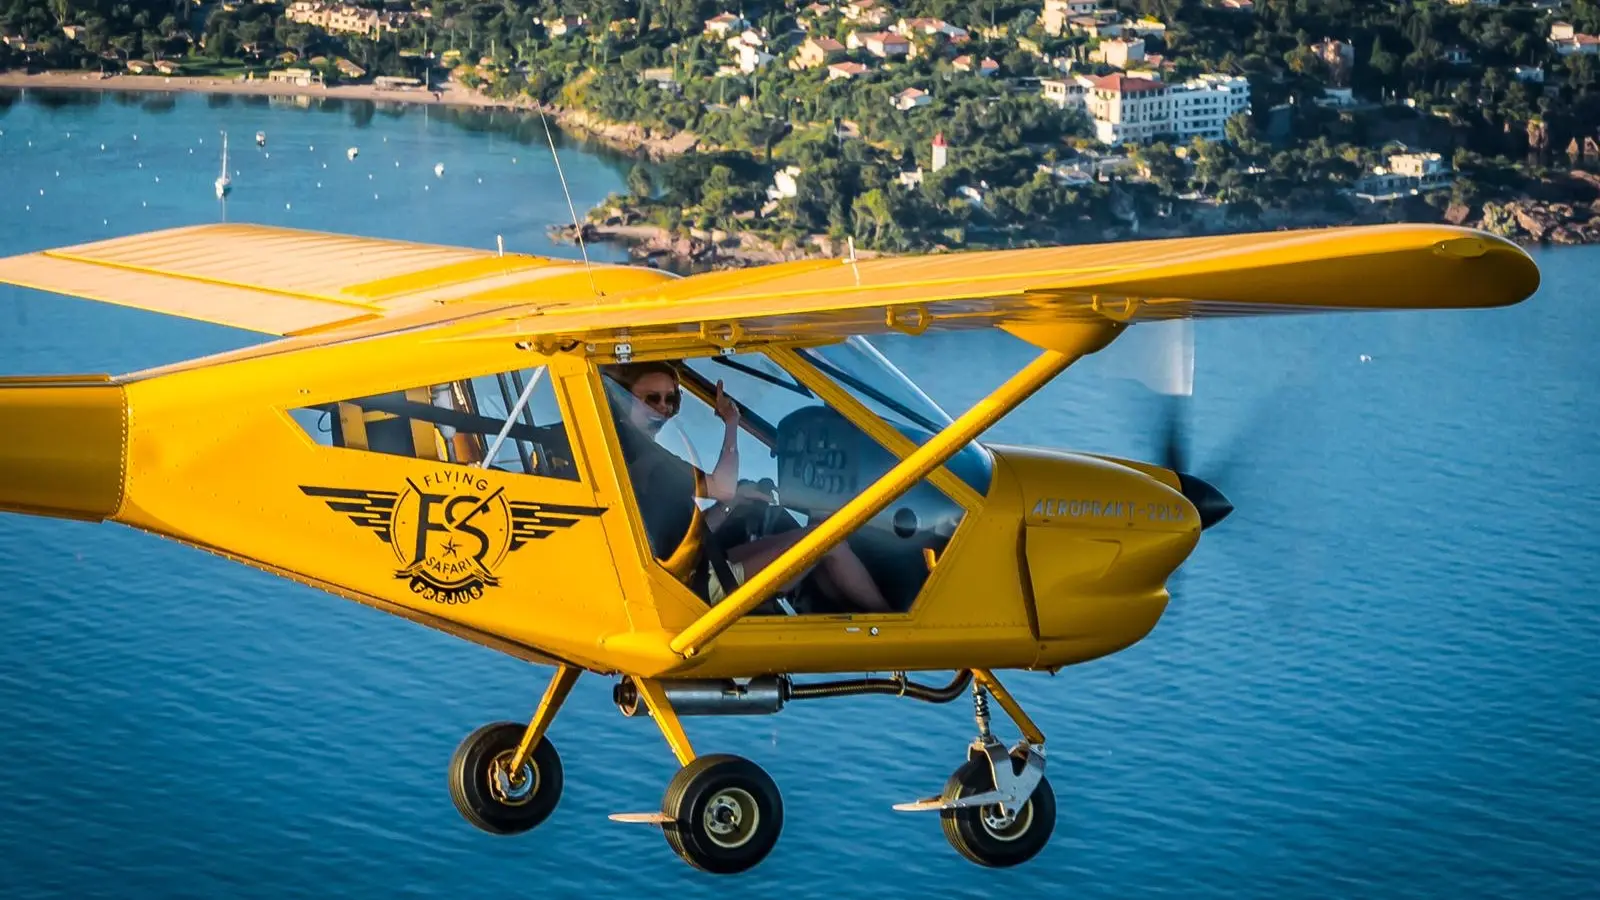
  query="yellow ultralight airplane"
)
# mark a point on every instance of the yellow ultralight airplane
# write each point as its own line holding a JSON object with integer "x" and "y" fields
{"x": 475, "y": 441}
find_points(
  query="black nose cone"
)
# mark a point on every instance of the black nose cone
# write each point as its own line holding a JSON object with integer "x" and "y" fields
{"x": 1212, "y": 506}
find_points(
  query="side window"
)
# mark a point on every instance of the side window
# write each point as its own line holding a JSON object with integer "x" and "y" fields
{"x": 508, "y": 421}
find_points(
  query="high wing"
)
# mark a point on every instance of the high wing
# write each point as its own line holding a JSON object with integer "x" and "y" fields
{"x": 1323, "y": 270}
{"x": 278, "y": 281}
{"x": 324, "y": 287}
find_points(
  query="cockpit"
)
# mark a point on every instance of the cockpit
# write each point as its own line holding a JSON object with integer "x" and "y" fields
{"x": 812, "y": 428}
{"x": 811, "y": 434}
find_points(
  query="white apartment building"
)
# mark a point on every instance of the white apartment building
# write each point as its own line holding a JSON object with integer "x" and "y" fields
{"x": 1202, "y": 106}
{"x": 1129, "y": 109}
{"x": 1065, "y": 92}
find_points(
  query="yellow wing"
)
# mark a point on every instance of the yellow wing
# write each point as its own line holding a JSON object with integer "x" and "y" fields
{"x": 278, "y": 280}
{"x": 1325, "y": 270}
{"x": 324, "y": 286}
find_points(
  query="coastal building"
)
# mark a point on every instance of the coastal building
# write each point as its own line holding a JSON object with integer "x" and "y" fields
{"x": 818, "y": 51}
{"x": 343, "y": 18}
{"x": 985, "y": 66}
{"x": 296, "y": 76}
{"x": 1121, "y": 53}
{"x": 1057, "y": 13}
{"x": 911, "y": 98}
{"x": 565, "y": 25}
{"x": 868, "y": 12}
{"x": 752, "y": 58}
{"x": 882, "y": 44}
{"x": 1128, "y": 109}
{"x": 816, "y": 12}
{"x": 721, "y": 25}
{"x": 931, "y": 27}
{"x": 1066, "y": 92}
{"x": 1202, "y": 106}
{"x": 845, "y": 70}
{"x": 1407, "y": 174}
{"x": 1137, "y": 110}
{"x": 1567, "y": 40}
{"x": 785, "y": 183}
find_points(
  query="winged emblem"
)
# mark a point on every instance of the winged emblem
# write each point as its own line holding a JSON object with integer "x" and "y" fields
{"x": 531, "y": 521}
{"x": 450, "y": 532}
{"x": 369, "y": 509}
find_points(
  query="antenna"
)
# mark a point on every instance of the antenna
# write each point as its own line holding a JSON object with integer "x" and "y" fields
{"x": 577, "y": 229}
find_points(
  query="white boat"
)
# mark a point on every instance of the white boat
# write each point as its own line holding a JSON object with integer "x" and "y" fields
{"x": 261, "y": 139}
{"x": 351, "y": 153}
{"x": 438, "y": 169}
{"x": 223, "y": 182}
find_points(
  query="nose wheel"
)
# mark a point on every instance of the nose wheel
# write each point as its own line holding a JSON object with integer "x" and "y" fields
{"x": 997, "y": 809}
{"x": 996, "y": 834}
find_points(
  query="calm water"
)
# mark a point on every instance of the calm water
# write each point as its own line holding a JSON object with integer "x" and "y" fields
{"x": 1379, "y": 678}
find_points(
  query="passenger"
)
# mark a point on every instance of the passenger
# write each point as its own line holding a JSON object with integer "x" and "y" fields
{"x": 666, "y": 488}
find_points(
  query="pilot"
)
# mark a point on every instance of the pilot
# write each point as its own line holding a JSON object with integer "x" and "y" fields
{"x": 666, "y": 487}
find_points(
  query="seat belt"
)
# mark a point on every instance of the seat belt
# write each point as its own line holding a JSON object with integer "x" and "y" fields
{"x": 720, "y": 569}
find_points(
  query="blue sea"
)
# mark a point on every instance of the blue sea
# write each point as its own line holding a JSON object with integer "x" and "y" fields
{"x": 1379, "y": 677}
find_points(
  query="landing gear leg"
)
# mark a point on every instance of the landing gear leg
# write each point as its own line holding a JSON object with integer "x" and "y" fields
{"x": 721, "y": 813}
{"x": 997, "y": 809}
{"x": 505, "y": 778}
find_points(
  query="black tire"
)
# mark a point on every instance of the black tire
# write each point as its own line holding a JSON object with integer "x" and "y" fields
{"x": 726, "y": 814}
{"x": 474, "y": 784}
{"x": 973, "y": 831}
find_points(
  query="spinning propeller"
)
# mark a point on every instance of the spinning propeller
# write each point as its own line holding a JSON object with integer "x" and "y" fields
{"x": 1174, "y": 378}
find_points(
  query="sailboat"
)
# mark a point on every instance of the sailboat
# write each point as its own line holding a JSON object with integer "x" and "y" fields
{"x": 224, "y": 183}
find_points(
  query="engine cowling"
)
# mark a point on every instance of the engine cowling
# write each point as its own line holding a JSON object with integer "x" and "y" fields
{"x": 1100, "y": 537}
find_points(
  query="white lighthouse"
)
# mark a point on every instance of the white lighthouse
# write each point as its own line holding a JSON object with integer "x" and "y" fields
{"x": 941, "y": 152}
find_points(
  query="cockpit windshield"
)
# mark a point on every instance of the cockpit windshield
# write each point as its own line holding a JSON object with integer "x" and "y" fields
{"x": 867, "y": 374}
{"x": 859, "y": 367}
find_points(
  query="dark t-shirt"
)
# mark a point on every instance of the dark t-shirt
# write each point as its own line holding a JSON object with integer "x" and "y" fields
{"x": 665, "y": 488}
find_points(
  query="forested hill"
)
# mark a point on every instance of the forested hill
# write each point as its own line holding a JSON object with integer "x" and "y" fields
{"x": 1482, "y": 85}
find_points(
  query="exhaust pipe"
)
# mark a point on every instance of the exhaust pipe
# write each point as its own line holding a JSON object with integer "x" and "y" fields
{"x": 63, "y": 446}
{"x": 767, "y": 694}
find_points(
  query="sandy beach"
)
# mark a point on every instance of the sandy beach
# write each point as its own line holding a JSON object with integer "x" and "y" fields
{"x": 451, "y": 95}
{"x": 631, "y": 138}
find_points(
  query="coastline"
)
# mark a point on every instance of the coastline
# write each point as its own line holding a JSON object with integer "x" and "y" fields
{"x": 627, "y": 138}
{"x": 1559, "y": 210}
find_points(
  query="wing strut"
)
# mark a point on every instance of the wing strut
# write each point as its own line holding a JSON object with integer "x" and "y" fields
{"x": 1065, "y": 350}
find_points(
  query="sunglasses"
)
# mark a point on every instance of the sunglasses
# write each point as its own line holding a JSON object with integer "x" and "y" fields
{"x": 672, "y": 398}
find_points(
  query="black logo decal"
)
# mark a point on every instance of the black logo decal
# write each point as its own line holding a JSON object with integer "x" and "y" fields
{"x": 450, "y": 532}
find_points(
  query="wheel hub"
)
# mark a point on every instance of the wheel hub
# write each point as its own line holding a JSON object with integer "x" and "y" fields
{"x": 731, "y": 817}
{"x": 1004, "y": 825}
{"x": 512, "y": 788}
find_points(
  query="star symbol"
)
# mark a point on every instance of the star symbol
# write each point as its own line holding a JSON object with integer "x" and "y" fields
{"x": 450, "y": 547}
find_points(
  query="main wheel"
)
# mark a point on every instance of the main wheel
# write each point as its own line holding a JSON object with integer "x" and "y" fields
{"x": 725, "y": 813}
{"x": 986, "y": 836}
{"x": 495, "y": 799}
